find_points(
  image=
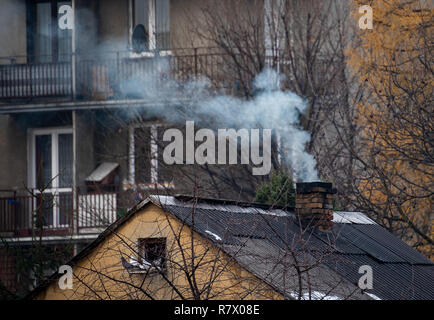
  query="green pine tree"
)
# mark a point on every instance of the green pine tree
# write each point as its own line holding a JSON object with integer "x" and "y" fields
{"x": 278, "y": 191}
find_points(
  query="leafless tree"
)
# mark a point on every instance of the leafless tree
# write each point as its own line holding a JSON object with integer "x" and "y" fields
{"x": 303, "y": 41}
{"x": 394, "y": 173}
{"x": 35, "y": 260}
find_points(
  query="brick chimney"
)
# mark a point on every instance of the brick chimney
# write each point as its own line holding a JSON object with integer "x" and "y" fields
{"x": 314, "y": 204}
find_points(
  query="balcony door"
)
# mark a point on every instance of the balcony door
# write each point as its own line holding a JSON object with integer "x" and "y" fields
{"x": 51, "y": 36}
{"x": 52, "y": 170}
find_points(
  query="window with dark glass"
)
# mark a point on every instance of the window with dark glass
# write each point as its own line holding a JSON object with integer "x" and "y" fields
{"x": 153, "y": 251}
{"x": 48, "y": 41}
{"x": 43, "y": 161}
{"x": 142, "y": 142}
{"x": 162, "y": 24}
{"x": 65, "y": 160}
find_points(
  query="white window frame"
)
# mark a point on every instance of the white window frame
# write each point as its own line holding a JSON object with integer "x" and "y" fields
{"x": 55, "y": 190}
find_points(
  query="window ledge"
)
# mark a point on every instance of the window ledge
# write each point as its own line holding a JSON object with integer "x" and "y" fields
{"x": 151, "y": 54}
{"x": 149, "y": 186}
{"x": 151, "y": 270}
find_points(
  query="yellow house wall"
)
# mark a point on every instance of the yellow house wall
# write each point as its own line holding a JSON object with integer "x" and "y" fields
{"x": 101, "y": 275}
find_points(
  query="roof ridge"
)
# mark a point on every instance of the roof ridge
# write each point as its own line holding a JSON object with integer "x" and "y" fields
{"x": 261, "y": 205}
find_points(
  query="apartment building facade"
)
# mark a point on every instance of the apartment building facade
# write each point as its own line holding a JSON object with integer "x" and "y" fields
{"x": 75, "y": 157}
{"x": 61, "y": 72}
{"x": 86, "y": 91}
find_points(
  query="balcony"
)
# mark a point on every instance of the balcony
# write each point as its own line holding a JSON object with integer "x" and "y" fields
{"x": 28, "y": 80}
{"x": 61, "y": 213}
{"x": 107, "y": 76}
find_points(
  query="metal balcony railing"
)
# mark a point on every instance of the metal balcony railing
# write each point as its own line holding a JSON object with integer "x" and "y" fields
{"x": 34, "y": 213}
{"x": 19, "y": 79}
{"x": 109, "y": 75}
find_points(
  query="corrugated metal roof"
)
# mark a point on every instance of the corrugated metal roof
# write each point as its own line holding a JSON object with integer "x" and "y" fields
{"x": 349, "y": 234}
{"x": 392, "y": 243}
{"x": 399, "y": 271}
{"x": 390, "y": 280}
{"x": 351, "y": 217}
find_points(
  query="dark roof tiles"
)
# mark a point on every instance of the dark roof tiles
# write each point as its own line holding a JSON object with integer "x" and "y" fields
{"x": 399, "y": 271}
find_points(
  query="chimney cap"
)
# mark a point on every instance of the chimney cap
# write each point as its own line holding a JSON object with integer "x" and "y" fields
{"x": 312, "y": 187}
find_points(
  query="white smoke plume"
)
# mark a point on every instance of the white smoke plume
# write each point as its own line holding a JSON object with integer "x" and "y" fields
{"x": 270, "y": 108}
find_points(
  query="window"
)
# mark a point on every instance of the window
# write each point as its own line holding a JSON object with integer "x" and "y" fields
{"x": 52, "y": 158}
{"x": 51, "y": 167}
{"x": 154, "y": 16}
{"x": 162, "y": 24}
{"x": 153, "y": 251}
{"x": 49, "y": 42}
{"x": 145, "y": 151}
{"x": 146, "y": 163}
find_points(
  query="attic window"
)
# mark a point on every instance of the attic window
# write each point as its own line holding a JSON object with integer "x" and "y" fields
{"x": 153, "y": 251}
